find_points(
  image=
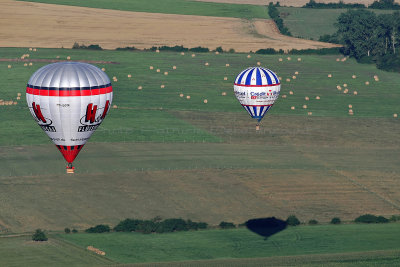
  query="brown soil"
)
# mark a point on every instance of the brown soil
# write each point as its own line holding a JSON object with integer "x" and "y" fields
{"x": 294, "y": 3}
{"x": 53, "y": 26}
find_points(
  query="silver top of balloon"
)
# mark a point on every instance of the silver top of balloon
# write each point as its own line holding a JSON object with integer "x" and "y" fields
{"x": 69, "y": 74}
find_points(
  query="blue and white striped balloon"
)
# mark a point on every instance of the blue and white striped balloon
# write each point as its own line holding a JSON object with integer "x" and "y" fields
{"x": 257, "y": 89}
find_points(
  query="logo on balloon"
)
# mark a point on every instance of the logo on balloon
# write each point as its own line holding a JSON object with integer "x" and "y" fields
{"x": 44, "y": 123}
{"x": 90, "y": 122}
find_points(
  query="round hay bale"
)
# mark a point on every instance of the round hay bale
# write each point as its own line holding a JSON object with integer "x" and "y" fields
{"x": 377, "y": 80}
{"x": 140, "y": 87}
{"x": 248, "y": 56}
{"x": 339, "y": 87}
{"x": 317, "y": 97}
{"x": 115, "y": 106}
{"x": 182, "y": 53}
{"x": 225, "y": 78}
{"x": 350, "y": 106}
{"x": 366, "y": 83}
{"x": 343, "y": 59}
{"x": 151, "y": 67}
{"x": 223, "y": 93}
{"x": 299, "y": 59}
{"x": 395, "y": 115}
{"x": 34, "y": 49}
{"x": 375, "y": 76}
{"x": 114, "y": 77}
{"x": 1, "y": 103}
{"x": 25, "y": 64}
{"x": 289, "y": 58}
{"x": 30, "y": 48}
{"x": 280, "y": 78}
{"x": 18, "y": 98}
{"x": 353, "y": 76}
{"x": 15, "y": 102}
{"x": 290, "y": 92}
{"x": 296, "y": 73}
{"x": 19, "y": 94}
{"x": 174, "y": 67}
{"x": 292, "y": 108}
{"x": 309, "y": 113}
{"x": 338, "y": 59}
{"x": 329, "y": 75}
{"x": 30, "y": 63}
{"x": 165, "y": 72}
{"x": 345, "y": 85}
{"x": 57, "y": 56}
{"x": 284, "y": 96}
{"x": 193, "y": 55}
{"x": 345, "y": 91}
{"x": 181, "y": 95}
{"x": 280, "y": 59}
{"x": 227, "y": 65}
{"x": 68, "y": 57}
{"x": 304, "y": 106}
{"x": 206, "y": 64}
{"x": 188, "y": 97}
{"x": 27, "y": 55}
{"x": 216, "y": 52}
{"x": 103, "y": 69}
{"x": 157, "y": 51}
{"x": 9, "y": 66}
{"x": 294, "y": 77}
{"x": 258, "y": 63}
{"x": 162, "y": 86}
{"x": 307, "y": 98}
{"x": 115, "y": 80}
{"x": 288, "y": 80}
{"x": 205, "y": 101}
{"x": 158, "y": 70}
{"x": 355, "y": 93}
{"x": 129, "y": 76}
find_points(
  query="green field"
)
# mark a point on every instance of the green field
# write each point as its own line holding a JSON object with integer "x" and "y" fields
{"x": 181, "y": 7}
{"x": 341, "y": 245}
{"x": 310, "y": 23}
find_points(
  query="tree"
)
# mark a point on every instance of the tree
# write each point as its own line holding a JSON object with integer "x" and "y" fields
{"x": 226, "y": 225}
{"x": 312, "y": 222}
{"x": 101, "y": 228}
{"x": 39, "y": 235}
{"x": 336, "y": 220}
{"x": 292, "y": 220}
{"x": 67, "y": 230}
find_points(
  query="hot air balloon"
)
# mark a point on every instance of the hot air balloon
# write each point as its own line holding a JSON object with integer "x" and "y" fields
{"x": 257, "y": 89}
{"x": 69, "y": 100}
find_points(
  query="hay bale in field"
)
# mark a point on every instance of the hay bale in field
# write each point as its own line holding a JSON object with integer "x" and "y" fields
{"x": 206, "y": 64}
{"x": 30, "y": 63}
{"x": 294, "y": 77}
{"x": 292, "y": 108}
{"x": 15, "y": 102}
{"x": 151, "y": 67}
{"x": 162, "y": 86}
{"x": 339, "y": 87}
{"x": 174, "y": 67}
{"x": 345, "y": 91}
{"x": 299, "y": 59}
{"x": 182, "y": 53}
{"x": 350, "y": 106}
{"x": 129, "y": 76}
{"x": 115, "y": 106}
{"x": 30, "y": 48}
{"x": 307, "y": 98}
{"x": 34, "y": 49}
{"x": 258, "y": 63}
{"x": 376, "y": 77}
{"x": 193, "y": 55}
{"x": 225, "y": 78}
{"x": 216, "y": 52}
{"x": 1, "y": 103}
{"x": 395, "y": 115}
{"x": 18, "y": 98}
{"x": 309, "y": 113}
{"x": 205, "y": 101}
{"x": 288, "y": 80}
{"x": 296, "y": 73}
{"x": 345, "y": 85}
{"x": 68, "y": 57}
{"x": 114, "y": 77}
{"x": 377, "y": 80}
{"x": 181, "y": 95}
{"x": 329, "y": 75}
{"x": 338, "y": 59}
{"x": 280, "y": 59}
{"x": 25, "y": 64}
{"x": 57, "y": 56}
{"x": 157, "y": 51}
{"x": 317, "y": 97}
{"x": 188, "y": 97}
{"x": 290, "y": 92}
{"x": 366, "y": 83}
{"x": 223, "y": 93}
{"x": 19, "y": 94}
{"x": 103, "y": 69}
{"x": 355, "y": 93}
{"x": 158, "y": 70}
{"x": 140, "y": 87}
{"x": 227, "y": 65}
{"x": 165, "y": 72}
{"x": 289, "y": 58}
{"x": 283, "y": 96}
{"x": 343, "y": 59}
{"x": 248, "y": 56}
{"x": 9, "y": 66}
{"x": 304, "y": 106}
{"x": 353, "y": 76}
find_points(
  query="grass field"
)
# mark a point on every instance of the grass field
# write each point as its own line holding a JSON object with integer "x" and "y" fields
{"x": 205, "y": 161}
{"x": 182, "y": 7}
{"x": 312, "y": 23}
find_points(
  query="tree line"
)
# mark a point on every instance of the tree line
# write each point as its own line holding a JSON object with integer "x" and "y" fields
{"x": 378, "y": 4}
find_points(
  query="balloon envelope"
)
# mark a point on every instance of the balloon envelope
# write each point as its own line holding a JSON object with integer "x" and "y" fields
{"x": 257, "y": 89}
{"x": 69, "y": 100}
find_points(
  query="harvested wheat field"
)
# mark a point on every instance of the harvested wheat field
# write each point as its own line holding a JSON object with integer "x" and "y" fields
{"x": 54, "y": 26}
{"x": 294, "y": 3}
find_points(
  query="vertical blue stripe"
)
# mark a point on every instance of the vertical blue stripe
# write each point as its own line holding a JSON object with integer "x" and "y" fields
{"x": 269, "y": 81}
{"x": 241, "y": 76}
{"x": 248, "y": 78}
{"x": 262, "y": 110}
{"x": 255, "y": 111}
{"x": 273, "y": 74}
{"x": 258, "y": 77}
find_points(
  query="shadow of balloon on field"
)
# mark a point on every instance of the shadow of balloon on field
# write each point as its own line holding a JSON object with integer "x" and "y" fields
{"x": 266, "y": 227}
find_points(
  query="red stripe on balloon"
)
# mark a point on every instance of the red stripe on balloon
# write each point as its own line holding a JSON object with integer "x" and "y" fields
{"x": 87, "y": 92}
{"x": 265, "y": 85}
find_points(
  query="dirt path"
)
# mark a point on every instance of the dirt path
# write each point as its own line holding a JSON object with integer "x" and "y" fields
{"x": 295, "y": 3}
{"x": 54, "y": 60}
{"x": 25, "y": 24}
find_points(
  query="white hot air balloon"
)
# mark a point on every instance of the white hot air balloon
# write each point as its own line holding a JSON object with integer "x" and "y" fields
{"x": 69, "y": 100}
{"x": 257, "y": 89}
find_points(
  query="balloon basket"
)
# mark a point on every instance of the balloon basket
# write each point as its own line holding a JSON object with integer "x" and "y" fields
{"x": 70, "y": 169}
{"x": 257, "y": 127}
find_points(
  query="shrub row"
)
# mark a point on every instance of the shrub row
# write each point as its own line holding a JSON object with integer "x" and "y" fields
{"x": 273, "y": 12}
{"x": 322, "y": 51}
{"x": 378, "y": 4}
{"x": 82, "y": 46}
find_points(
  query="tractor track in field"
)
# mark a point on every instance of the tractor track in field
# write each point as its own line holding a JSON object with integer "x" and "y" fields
{"x": 55, "y": 60}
